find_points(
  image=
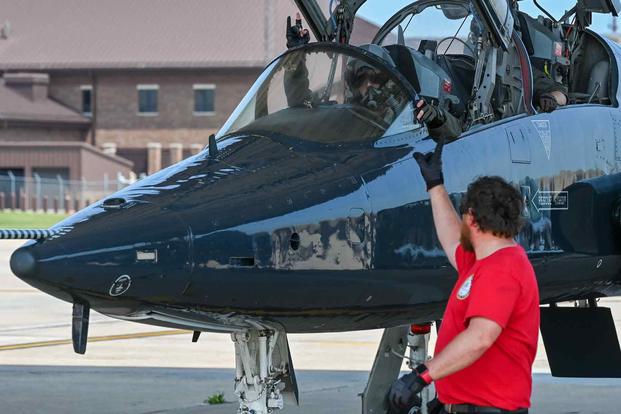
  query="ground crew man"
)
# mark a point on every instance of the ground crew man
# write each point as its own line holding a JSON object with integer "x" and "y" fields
{"x": 488, "y": 338}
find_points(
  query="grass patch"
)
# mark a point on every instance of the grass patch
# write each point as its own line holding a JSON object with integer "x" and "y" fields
{"x": 216, "y": 399}
{"x": 22, "y": 220}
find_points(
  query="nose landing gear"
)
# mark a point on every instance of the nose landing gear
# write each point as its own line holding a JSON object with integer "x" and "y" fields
{"x": 263, "y": 371}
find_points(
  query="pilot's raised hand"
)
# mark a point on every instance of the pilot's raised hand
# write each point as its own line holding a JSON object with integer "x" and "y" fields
{"x": 431, "y": 115}
{"x": 431, "y": 165}
{"x": 548, "y": 102}
{"x": 296, "y": 35}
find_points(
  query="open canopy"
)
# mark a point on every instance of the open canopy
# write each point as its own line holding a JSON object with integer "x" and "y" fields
{"x": 495, "y": 14}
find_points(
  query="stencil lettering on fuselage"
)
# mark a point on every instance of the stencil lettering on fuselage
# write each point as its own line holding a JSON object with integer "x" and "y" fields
{"x": 545, "y": 133}
{"x": 616, "y": 129}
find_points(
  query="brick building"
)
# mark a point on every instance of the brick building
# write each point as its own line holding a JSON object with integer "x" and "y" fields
{"x": 43, "y": 139}
{"x": 146, "y": 82}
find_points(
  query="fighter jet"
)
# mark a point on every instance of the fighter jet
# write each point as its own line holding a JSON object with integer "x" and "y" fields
{"x": 307, "y": 213}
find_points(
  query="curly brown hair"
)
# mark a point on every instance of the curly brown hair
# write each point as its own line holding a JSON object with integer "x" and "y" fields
{"x": 495, "y": 205}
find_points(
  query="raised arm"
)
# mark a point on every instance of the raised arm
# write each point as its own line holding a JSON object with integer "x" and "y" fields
{"x": 296, "y": 75}
{"x": 445, "y": 218}
{"x": 441, "y": 124}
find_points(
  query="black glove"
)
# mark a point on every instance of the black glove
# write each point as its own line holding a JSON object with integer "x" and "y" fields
{"x": 296, "y": 35}
{"x": 431, "y": 165}
{"x": 547, "y": 102}
{"x": 431, "y": 115}
{"x": 404, "y": 392}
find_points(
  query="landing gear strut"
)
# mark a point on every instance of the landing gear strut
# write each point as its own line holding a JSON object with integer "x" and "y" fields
{"x": 418, "y": 342}
{"x": 263, "y": 371}
{"x": 388, "y": 362}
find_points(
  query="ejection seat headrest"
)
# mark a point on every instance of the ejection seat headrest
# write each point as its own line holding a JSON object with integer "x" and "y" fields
{"x": 378, "y": 51}
{"x": 405, "y": 64}
{"x": 526, "y": 38}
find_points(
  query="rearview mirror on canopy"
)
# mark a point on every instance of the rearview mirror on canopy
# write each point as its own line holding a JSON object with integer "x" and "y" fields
{"x": 455, "y": 12}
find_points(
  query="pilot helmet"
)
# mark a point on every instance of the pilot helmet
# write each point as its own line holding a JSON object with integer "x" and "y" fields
{"x": 358, "y": 71}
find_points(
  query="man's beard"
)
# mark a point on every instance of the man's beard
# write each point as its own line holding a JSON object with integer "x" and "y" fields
{"x": 465, "y": 239}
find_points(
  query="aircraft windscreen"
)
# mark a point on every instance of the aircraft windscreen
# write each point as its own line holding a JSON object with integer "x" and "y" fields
{"x": 324, "y": 95}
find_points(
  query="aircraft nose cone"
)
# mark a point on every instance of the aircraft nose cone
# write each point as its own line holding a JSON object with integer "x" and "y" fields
{"x": 23, "y": 263}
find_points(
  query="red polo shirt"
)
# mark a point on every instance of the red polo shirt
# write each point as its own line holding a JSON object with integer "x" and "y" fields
{"x": 501, "y": 287}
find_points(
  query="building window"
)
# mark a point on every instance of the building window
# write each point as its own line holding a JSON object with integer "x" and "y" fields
{"x": 87, "y": 100}
{"x": 204, "y": 99}
{"x": 147, "y": 99}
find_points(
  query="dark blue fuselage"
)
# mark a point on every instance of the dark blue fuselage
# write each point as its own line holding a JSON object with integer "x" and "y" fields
{"x": 313, "y": 237}
{"x": 320, "y": 238}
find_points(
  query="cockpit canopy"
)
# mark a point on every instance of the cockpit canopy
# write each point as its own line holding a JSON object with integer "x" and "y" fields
{"x": 494, "y": 13}
{"x": 329, "y": 94}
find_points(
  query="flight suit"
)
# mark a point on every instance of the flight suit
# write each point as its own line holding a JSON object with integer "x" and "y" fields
{"x": 450, "y": 129}
{"x": 542, "y": 84}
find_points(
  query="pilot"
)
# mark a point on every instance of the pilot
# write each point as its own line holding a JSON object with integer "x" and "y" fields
{"x": 296, "y": 74}
{"x": 365, "y": 87}
{"x": 368, "y": 87}
{"x": 441, "y": 124}
{"x": 549, "y": 93}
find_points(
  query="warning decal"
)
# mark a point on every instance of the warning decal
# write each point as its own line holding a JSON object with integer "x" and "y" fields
{"x": 545, "y": 133}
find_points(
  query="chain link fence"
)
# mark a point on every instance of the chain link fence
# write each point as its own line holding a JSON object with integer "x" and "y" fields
{"x": 53, "y": 195}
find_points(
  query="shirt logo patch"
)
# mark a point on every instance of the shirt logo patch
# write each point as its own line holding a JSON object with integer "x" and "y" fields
{"x": 464, "y": 290}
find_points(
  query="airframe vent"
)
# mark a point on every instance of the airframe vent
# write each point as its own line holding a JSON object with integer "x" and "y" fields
{"x": 241, "y": 261}
{"x": 113, "y": 203}
{"x": 294, "y": 241}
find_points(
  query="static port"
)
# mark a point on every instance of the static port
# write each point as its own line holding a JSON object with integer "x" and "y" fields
{"x": 294, "y": 241}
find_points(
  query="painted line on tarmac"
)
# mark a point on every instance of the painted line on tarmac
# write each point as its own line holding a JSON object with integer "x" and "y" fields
{"x": 57, "y": 342}
{"x": 55, "y": 325}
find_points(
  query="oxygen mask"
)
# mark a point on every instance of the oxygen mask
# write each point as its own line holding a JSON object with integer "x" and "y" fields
{"x": 373, "y": 97}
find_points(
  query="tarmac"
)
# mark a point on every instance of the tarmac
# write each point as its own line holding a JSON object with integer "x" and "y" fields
{"x": 140, "y": 369}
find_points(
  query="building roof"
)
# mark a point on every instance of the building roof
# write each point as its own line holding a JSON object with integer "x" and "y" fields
{"x": 138, "y": 34}
{"x": 64, "y": 146}
{"x": 15, "y": 106}
{"x": 92, "y": 34}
